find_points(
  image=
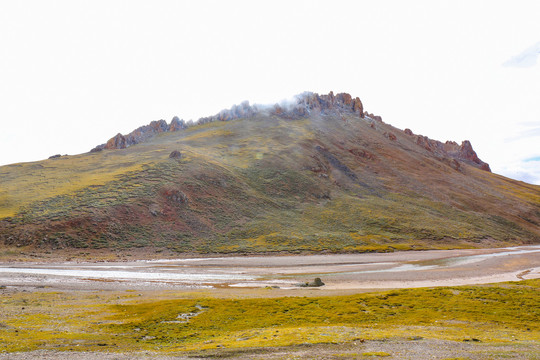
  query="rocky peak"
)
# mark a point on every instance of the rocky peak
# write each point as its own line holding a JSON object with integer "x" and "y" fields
{"x": 466, "y": 152}
{"x": 450, "y": 149}
{"x": 301, "y": 106}
{"x": 116, "y": 142}
{"x": 141, "y": 134}
{"x": 308, "y": 102}
{"x": 177, "y": 124}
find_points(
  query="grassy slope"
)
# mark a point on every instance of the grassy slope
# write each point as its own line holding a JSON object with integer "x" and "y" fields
{"x": 177, "y": 322}
{"x": 265, "y": 184}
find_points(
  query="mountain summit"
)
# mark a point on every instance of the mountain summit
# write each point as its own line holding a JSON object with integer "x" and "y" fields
{"x": 303, "y": 105}
{"x": 315, "y": 174}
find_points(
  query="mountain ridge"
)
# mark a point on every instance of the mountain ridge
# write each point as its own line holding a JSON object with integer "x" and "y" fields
{"x": 302, "y": 105}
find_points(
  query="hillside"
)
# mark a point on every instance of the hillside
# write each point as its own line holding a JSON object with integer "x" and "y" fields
{"x": 319, "y": 174}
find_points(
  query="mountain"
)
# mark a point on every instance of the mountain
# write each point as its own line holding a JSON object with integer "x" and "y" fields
{"x": 316, "y": 174}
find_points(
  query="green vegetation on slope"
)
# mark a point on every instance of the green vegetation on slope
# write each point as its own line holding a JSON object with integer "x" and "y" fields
{"x": 265, "y": 184}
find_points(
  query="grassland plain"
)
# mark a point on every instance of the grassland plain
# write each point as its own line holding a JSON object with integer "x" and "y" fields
{"x": 477, "y": 322}
{"x": 324, "y": 182}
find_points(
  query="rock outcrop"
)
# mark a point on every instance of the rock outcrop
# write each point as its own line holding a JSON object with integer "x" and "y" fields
{"x": 315, "y": 283}
{"x": 116, "y": 142}
{"x": 302, "y": 105}
{"x": 176, "y": 124}
{"x": 175, "y": 155}
{"x": 450, "y": 149}
{"x": 308, "y": 103}
{"x": 141, "y": 134}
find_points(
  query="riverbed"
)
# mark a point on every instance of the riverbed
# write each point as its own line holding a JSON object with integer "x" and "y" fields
{"x": 338, "y": 271}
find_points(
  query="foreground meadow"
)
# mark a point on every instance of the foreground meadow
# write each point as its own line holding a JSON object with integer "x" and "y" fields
{"x": 229, "y": 323}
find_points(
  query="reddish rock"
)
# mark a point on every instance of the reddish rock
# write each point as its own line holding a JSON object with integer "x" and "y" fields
{"x": 390, "y": 136}
{"x": 117, "y": 142}
{"x": 485, "y": 166}
{"x": 177, "y": 124}
{"x": 466, "y": 152}
{"x": 344, "y": 98}
{"x": 313, "y": 102}
{"x": 451, "y": 149}
{"x": 374, "y": 117}
{"x": 423, "y": 141}
{"x": 408, "y": 132}
{"x": 159, "y": 126}
{"x": 358, "y": 107}
{"x": 331, "y": 96}
{"x": 326, "y": 102}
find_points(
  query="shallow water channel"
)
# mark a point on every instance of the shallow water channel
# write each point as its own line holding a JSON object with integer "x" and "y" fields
{"x": 345, "y": 271}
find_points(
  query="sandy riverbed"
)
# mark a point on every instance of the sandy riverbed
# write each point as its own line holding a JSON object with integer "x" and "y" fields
{"x": 341, "y": 272}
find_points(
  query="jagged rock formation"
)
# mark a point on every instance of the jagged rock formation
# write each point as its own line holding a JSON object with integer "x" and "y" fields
{"x": 463, "y": 152}
{"x": 141, "y": 134}
{"x": 303, "y": 105}
{"x": 307, "y": 103}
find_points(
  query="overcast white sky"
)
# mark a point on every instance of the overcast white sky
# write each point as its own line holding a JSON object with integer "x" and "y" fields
{"x": 74, "y": 73}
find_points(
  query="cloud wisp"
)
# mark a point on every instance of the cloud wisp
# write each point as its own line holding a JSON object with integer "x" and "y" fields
{"x": 532, "y": 132}
{"x": 525, "y": 59}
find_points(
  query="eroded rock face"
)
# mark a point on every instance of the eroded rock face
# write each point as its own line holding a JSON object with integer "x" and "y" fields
{"x": 116, "y": 142}
{"x": 451, "y": 149}
{"x": 177, "y": 124}
{"x": 303, "y": 105}
{"x": 141, "y": 134}
{"x": 466, "y": 152}
{"x": 327, "y": 103}
{"x": 374, "y": 117}
{"x": 358, "y": 107}
{"x": 244, "y": 110}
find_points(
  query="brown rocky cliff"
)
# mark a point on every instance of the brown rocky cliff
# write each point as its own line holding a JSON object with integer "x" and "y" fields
{"x": 330, "y": 103}
{"x": 303, "y": 105}
{"x": 466, "y": 152}
{"x": 116, "y": 142}
{"x": 141, "y": 134}
{"x": 450, "y": 149}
